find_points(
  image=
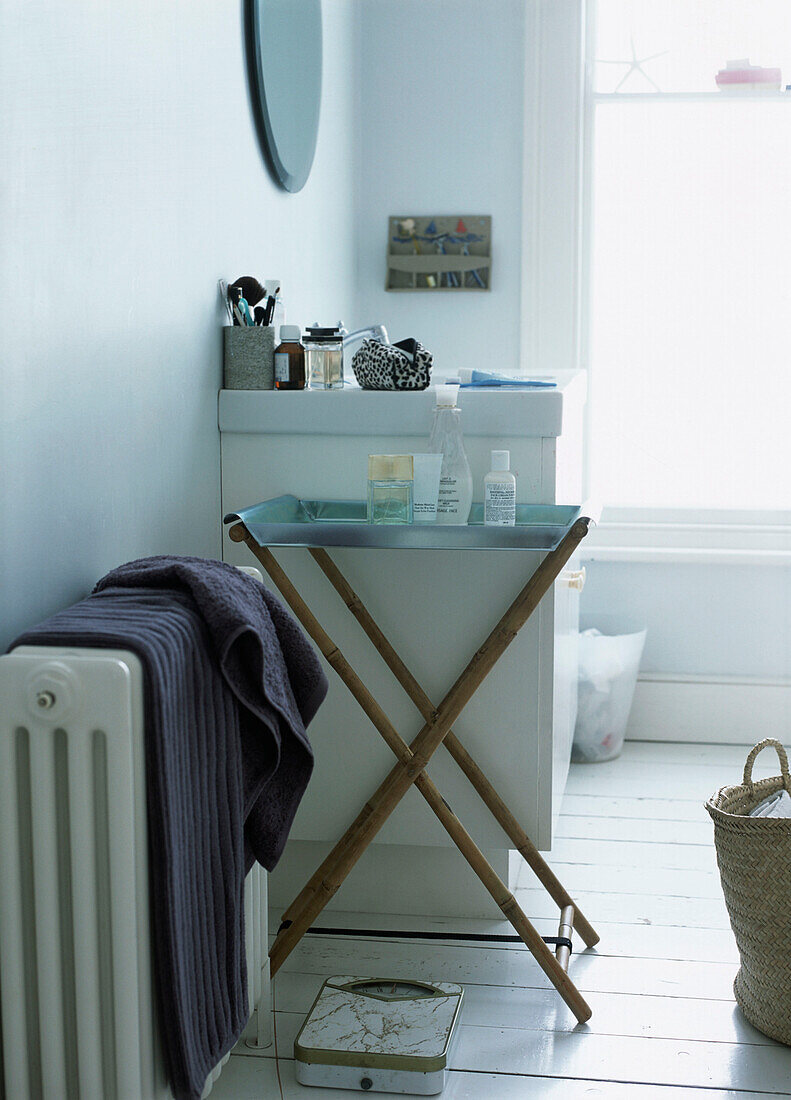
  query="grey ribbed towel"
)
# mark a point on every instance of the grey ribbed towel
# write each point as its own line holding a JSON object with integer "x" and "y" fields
{"x": 231, "y": 683}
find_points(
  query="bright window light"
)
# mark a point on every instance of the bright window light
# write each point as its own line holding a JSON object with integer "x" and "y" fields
{"x": 691, "y": 238}
{"x": 693, "y": 38}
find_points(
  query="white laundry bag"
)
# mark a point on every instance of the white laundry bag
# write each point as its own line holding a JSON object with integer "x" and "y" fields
{"x": 609, "y": 660}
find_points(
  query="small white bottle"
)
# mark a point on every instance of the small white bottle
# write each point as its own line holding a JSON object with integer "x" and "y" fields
{"x": 499, "y": 492}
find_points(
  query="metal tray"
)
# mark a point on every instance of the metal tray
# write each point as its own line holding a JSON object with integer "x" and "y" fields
{"x": 287, "y": 521}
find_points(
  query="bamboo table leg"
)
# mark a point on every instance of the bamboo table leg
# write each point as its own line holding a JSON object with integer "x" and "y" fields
{"x": 519, "y": 611}
{"x": 401, "y": 777}
{"x": 331, "y": 874}
{"x": 305, "y": 907}
{"x": 491, "y": 798}
{"x": 505, "y": 900}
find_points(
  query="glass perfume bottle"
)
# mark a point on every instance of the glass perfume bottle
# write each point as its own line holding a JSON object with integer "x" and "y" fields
{"x": 390, "y": 488}
{"x": 324, "y": 358}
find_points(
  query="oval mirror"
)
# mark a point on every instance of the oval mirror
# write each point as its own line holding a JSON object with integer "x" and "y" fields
{"x": 284, "y": 65}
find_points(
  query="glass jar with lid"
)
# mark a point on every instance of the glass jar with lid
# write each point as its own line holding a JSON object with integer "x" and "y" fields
{"x": 324, "y": 357}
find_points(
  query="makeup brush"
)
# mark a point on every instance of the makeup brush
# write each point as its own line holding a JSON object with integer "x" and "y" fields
{"x": 260, "y": 315}
{"x": 272, "y": 291}
{"x": 251, "y": 289}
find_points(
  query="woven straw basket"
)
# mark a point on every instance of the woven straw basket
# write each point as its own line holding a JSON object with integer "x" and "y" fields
{"x": 754, "y": 857}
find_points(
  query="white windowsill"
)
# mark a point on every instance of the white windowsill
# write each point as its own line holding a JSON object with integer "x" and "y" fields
{"x": 743, "y": 95}
{"x": 715, "y": 539}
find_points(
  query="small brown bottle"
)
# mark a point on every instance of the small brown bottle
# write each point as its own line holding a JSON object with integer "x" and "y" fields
{"x": 289, "y": 360}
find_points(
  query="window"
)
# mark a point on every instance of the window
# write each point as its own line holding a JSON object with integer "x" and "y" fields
{"x": 689, "y": 305}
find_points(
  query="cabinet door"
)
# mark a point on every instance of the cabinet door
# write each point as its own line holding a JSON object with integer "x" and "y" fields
{"x": 565, "y": 670}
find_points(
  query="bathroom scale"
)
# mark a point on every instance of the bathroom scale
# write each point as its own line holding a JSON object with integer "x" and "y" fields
{"x": 379, "y": 1035}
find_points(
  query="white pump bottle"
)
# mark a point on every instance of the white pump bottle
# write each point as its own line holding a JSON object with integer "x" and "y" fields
{"x": 499, "y": 492}
{"x": 455, "y": 482}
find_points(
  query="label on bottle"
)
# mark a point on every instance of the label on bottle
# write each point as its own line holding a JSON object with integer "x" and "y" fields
{"x": 281, "y": 366}
{"x": 499, "y": 504}
{"x": 449, "y": 500}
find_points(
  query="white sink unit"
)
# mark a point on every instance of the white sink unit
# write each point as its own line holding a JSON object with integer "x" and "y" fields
{"x": 436, "y": 607}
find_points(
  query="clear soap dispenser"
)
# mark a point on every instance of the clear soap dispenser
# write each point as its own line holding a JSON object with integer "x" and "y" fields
{"x": 455, "y": 480}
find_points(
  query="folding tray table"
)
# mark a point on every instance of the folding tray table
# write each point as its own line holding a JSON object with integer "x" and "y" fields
{"x": 553, "y": 529}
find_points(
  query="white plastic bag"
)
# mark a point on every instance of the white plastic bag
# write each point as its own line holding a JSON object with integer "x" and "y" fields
{"x": 608, "y": 667}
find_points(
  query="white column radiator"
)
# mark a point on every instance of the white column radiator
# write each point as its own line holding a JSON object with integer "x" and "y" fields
{"x": 78, "y": 1017}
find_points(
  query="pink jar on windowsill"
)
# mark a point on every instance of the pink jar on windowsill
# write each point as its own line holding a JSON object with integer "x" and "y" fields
{"x": 741, "y": 76}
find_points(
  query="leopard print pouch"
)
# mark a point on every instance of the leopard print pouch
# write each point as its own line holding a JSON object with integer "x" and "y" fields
{"x": 402, "y": 366}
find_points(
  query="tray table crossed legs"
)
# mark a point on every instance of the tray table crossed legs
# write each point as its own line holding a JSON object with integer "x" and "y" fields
{"x": 413, "y": 758}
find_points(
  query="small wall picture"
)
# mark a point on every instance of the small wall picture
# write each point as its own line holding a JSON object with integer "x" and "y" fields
{"x": 439, "y": 252}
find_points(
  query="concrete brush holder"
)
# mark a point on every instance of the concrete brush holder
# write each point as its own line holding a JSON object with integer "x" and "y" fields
{"x": 248, "y": 357}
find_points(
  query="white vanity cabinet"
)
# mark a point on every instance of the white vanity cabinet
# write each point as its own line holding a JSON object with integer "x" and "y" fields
{"x": 436, "y": 607}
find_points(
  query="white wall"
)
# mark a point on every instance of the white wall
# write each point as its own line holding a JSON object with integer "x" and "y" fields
{"x": 440, "y": 129}
{"x": 131, "y": 181}
{"x": 703, "y": 620}
{"x": 440, "y": 132}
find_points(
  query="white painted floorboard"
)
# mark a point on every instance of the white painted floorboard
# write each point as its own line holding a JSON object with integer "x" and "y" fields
{"x": 538, "y": 1010}
{"x": 625, "y": 940}
{"x": 496, "y": 967}
{"x": 631, "y": 854}
{"x": 652, "y": 811}
{"x": 635, "y": 848}
{"x": 633, "y": 830}
{"x": 583, "y": 877}
{"x": 583, "y": 1054}
{"x": 254, "y": 1079}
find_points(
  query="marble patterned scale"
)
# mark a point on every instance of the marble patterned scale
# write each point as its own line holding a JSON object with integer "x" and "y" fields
{"x": 379, "y": 1035}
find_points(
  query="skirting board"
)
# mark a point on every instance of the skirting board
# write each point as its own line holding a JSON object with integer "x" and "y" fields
{"x": 718, "y": 709}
